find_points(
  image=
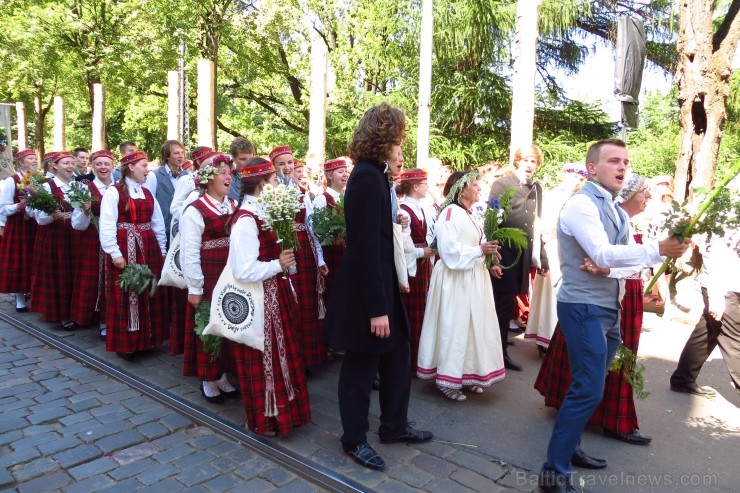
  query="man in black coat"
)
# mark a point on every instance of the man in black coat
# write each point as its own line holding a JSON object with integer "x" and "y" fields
{"x": 366, "y": 316}
{"x": 526, "y": 210}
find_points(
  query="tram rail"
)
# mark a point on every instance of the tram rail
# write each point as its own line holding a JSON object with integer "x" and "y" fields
{"x": 302, "y": 467}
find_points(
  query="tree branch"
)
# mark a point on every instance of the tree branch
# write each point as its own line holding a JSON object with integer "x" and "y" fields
{"x": 724, "y": 28}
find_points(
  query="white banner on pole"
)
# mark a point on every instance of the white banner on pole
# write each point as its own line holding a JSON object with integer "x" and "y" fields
{"x": 6, "y": 139}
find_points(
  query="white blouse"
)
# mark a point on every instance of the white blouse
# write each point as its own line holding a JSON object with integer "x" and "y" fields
{"x": 319, "y": 202}
{"x": 245, "y": 246}
{"x": 192, "y": 226}
{"x": 7, "y": 206}
{"x": 455, "y": 254}
{"x": 183, "y": 187}
{"x": 422, "y": 214}
{"x": 81, "y": 220}
{"x": 109, "y": 219}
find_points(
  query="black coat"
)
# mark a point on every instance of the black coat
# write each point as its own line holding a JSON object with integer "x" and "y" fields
{"x": 526, "y": 205}
{"x": 366, "y": 285}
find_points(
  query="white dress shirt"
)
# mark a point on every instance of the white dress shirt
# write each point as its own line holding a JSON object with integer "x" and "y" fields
{"x": 244, "y": 248}
{"x": 580, "y": 218}
{"x": 109, "y": 219}
{"x": 192, "y": 226}
{"x": 81, "y": 220}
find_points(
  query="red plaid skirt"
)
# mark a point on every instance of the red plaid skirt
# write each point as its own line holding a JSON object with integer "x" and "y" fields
{"x": 51, "y": 288}
{"x": 616, "y": 411}
{"x": 416, "y": 302}
{"x": 249, "y": 370}
{"x": 16, "y": 252}
{"x": 178, "y": 318}
{"x": 86, "y": 245}
{"x": 152, "y": 311}
{"x": 304, "y": 283}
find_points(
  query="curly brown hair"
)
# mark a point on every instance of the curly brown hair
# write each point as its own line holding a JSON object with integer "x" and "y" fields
{"x": 380, "y": 128}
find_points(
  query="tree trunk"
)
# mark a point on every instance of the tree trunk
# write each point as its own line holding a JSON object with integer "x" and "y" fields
{"x": 704, "y": 70}
{"x": 38, "y": 119}
{"x": 525, "y": 67}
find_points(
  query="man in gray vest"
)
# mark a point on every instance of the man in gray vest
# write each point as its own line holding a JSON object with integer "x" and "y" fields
{"x": 591, "y": 226}
{"x": 173, "y": 154}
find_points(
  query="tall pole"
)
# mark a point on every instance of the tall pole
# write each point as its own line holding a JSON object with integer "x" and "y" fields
{"x": 20, "y": 111}
{"x": 173, "y": 106}
{"x": 206, "y": 101}
{"x": 60, "y": 121}
{"x": 525, "y": 69}
{"x": 425, "y": 82}
{"x": 317, "y": 119}
{"x": 99, "y": 140}
{"x": 184, "y": 130}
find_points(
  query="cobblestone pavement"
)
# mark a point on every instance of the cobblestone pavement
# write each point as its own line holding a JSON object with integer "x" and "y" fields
{"x": 65, "y": 426}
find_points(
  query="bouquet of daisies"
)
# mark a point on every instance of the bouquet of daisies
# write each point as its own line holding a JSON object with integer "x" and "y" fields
{"x": 280, "y": 204}
{"x": 720, "y": 210}
{"x": 493, "y": 217}
{"x": 79, "y": 194}
{"x": 329, "y": 225}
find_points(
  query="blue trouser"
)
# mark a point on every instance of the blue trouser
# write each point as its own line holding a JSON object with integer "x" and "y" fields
{"x": 592, "y": 337}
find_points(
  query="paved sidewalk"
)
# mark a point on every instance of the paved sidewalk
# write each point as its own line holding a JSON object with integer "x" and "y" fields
{"x": 65, "y": 427}
{"x": 492, "y": 442}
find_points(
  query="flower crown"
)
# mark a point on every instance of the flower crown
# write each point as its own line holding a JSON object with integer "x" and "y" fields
{"x": 457, "y": 187}
{"x": 208, "y": 171}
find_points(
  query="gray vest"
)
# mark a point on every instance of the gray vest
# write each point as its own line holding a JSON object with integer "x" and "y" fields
{"x": 579, "y": 286}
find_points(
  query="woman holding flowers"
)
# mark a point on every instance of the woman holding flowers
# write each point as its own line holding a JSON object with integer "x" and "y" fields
{"x": 413, "y": 187}
{"x": 51, "y": 286}
{"x": 308, "y": 281}
{"x": 272, "y": 381}
{"x": 337, "y": 173}
{"x": 19, "y": 235}
{"x": 459, "y": 347}
{"x": 88, "y": 285}
{"x": 204, "y": 249}
{"x": 132, "y": 232}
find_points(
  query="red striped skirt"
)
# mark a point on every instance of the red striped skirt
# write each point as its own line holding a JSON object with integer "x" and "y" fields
{"x": 416, "y": 301}
{"x": 51, "y": 287}
{"x": 305, "y": 285}
{"x": 16, "y": 252}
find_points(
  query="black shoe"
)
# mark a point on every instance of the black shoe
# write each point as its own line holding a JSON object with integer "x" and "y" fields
{"x": 410, "y": 435}
{"x": 542, "y": 350}
{"x": 376, "y": 382}
{"x": 693, "y": 388}
{"x": 365, "y": 456}
{"x": 552, "y": 481}
{"x": 126, "y": 356}
{"x": 216, "y": 399}
{"x": 581, "y": 459}
{"x": 22, "y": 310}
{"x": 635, "y": 438}
{"x": 70, "y": 325}
{"x": 510, "y": 365}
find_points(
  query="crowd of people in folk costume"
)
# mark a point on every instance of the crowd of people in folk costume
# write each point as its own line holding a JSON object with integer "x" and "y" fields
{"x": 442, "y": 315}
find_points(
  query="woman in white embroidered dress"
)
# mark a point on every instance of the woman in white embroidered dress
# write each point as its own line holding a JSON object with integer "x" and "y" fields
{"x": 458, "y": 355}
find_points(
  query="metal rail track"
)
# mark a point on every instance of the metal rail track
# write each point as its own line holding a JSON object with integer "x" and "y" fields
{"x": 306, "y": 469}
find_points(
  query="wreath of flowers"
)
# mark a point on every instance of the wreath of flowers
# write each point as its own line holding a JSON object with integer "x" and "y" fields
{"x": 208, "y": 172}
{"x": 457, "y": 187}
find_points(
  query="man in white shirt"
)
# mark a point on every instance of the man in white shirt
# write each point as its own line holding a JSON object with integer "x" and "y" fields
{"x": 592, "y": 226}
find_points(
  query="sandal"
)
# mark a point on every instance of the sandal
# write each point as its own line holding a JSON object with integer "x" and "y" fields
{"x": 453, "y": 394}
{"x": 476, "y": 389}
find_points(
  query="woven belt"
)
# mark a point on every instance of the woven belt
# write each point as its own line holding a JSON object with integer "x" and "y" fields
{"x": 133, "y": 238}
{"x": 217, "y": 243}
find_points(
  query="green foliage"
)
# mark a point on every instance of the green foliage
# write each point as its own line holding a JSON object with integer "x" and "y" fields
{"x": 40, "y": 199}
{"x": 632, "y": 368}
{"x": 497, "y": 210}
{"x": 211, "y": 343}
{"x": 328, "y": 223}
{"x": 137, "y": 278}
{"x": 654, "y": 145}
